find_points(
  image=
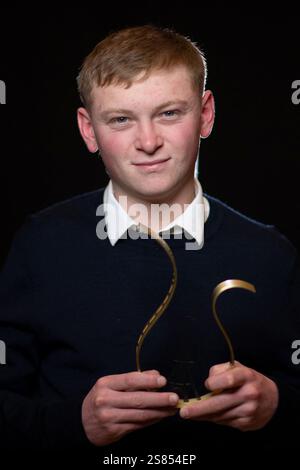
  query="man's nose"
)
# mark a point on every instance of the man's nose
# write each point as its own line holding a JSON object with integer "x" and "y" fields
{"x": 148, "y": 138}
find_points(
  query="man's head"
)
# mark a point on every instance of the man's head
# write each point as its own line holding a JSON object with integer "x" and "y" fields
{"x": 145, "y": 110}
{"x": 134, "y": 53}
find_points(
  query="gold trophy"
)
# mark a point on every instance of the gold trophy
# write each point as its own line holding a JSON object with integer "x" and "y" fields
{"x": 218, "y": 290}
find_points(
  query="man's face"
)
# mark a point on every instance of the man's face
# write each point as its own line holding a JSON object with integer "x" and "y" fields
{"x": 148, "y": 134}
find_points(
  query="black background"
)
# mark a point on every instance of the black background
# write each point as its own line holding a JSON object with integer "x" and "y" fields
{"x": 251, "y": 160}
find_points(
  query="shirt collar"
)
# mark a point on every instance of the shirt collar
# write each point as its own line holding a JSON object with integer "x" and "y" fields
{"x": 190, "y": 221}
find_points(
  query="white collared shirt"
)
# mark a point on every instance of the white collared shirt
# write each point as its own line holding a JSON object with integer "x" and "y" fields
{"x": 191, "y": 220}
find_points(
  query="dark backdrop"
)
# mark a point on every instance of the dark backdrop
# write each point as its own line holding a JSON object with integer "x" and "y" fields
{"x": 251, "y": 160}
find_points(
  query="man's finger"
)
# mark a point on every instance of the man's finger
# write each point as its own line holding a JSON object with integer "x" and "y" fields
{"x": 136, "y": 400}
{"x": 218, "y": 368}
{"x": 132, "y": 381}
{"x": 217, "y": 404}
{"x": 151, "y": 372}
{"x": 137, "y": 416}
{"x": 232, "y": 377}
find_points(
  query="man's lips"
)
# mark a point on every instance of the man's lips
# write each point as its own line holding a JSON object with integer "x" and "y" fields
{"x": 151, "y": 162}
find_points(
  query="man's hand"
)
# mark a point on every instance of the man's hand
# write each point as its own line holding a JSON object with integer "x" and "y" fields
{"x": 119, "y": 404}
{"x": 247, "y": 402}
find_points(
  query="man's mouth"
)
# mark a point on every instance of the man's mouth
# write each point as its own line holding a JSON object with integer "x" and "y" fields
{"x": 152, "y": 164}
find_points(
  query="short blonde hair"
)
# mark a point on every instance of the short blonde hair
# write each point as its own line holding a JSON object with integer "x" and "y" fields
{"x": 126, "y": 54}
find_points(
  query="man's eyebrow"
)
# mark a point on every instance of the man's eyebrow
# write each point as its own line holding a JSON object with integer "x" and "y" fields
{"x": 181, "y": 103}
{"x": 106, "y": 112}
{"x": 121, "y": 111}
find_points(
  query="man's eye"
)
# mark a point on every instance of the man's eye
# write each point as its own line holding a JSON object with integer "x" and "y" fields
{"x": 119, "y": 120}
{"x": 170, "y": 113}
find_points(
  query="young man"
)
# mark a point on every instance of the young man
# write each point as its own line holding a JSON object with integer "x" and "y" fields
{"x": 74, "y": 302}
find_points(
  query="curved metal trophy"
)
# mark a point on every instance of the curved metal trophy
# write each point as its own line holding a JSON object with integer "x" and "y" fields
{"x": 218, "y": 290}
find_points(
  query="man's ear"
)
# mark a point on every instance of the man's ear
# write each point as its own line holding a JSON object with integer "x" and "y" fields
{"x": 86, "y": 129}
{"x": 207, "y": 114}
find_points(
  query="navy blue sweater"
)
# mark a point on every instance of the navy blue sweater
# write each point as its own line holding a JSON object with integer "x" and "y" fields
{"x": 72, "y": 308}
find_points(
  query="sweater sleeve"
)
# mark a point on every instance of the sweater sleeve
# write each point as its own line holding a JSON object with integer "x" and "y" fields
{"x": 286, "y": 374}
{"x": 26, "y": 420}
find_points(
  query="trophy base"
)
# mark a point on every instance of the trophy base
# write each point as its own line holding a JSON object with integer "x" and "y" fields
{"x": 192, "y": 401}
{"x": 181, "y": 381}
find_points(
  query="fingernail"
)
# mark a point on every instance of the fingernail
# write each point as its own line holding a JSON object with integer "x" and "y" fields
{"x": 173, "y": 399}
{"x": 161, "y": 381}
{"x": 184, "y": 412}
